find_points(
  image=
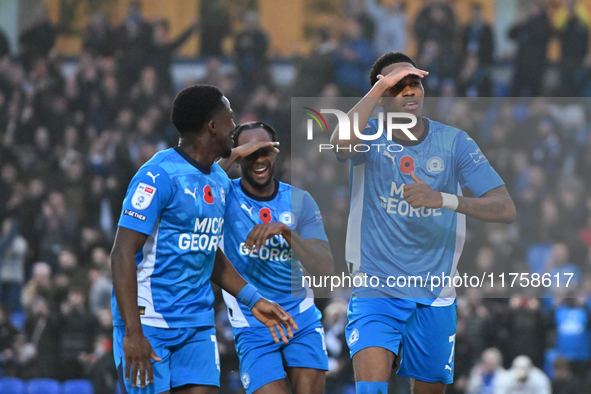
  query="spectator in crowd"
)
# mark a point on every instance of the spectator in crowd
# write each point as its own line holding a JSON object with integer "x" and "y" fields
{"x": 564, "y": 381}
{"x": 57, "y": 226}
{"x": 4, "y": 45}
{"x": 100, "y": 279}
{"x": 38, "y": 351}
{"x": 163, "y": 48}
{"x": 559, "y": 264}
{"x": 390, "y": 21}
{"x": 488, "y": 375}
{"x": 572, "y": 22}
{"x": 316, "y": 70}
{"x": 99, "y": 367}
{"x": 250, "y": 51}
{"x": 38, "y": 39}
{"x": 525, "y": 378}
{"x": 572, "y": 322}
{"x": 8, "y": 335}
{"x": 98, "y": 36}
{"x": 13, "y": 252}
{"x": 527, "y": 330}
{"x": 215, "y": 26}
{"x": 531, "y": 32}
{"x": 436, "y": 22}
{"x": 353, "y": 58}
{"x": 478, "y": 53}
{"x": 38, "y": 286}
{"x": 78, "y": 331}
{"x": 477, "y": 37}
{"x": 133, "y": 43}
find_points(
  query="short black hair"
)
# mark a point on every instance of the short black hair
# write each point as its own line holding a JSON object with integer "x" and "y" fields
{"x": 384, "y": 61}
{"x": 195, "y": 106}
{"x": 254, "y": 125}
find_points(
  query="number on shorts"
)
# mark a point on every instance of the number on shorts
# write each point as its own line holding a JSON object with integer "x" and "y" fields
{"x": 452, "y": 339}
{"x": 321, "y": 332}
{"x": 217, "y": 352}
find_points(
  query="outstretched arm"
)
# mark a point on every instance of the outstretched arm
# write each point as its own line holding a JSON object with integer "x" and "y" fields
{"x": 245, "y": 150}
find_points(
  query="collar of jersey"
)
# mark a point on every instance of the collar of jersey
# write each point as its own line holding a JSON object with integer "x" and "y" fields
{"x": 413, "y": 143}
{"x": 192, "y": 161}
{"x": 259, "y": 198}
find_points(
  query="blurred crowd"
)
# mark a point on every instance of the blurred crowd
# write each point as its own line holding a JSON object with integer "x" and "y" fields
{"x": 70, "y": 143}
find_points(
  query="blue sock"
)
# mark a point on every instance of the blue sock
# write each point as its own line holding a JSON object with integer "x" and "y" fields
{"x": 371, "y": 387}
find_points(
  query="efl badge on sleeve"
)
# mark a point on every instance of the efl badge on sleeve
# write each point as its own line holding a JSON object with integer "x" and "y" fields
{"x": 142, "y": 198}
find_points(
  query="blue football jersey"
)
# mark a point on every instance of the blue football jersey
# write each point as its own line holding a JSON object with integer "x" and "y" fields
{"x": 386, "y": 236}
{"x": 180, "y": 205}
{"x": 274, "y": 270}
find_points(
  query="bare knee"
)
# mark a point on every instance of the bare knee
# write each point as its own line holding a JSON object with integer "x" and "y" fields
{"x": 373, "y": 364}
{"x": 420, "y": 387}
{"x": 306, "y": 380}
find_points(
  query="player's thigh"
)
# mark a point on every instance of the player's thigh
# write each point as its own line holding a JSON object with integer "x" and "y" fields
{"x": 275, "y": 387}
{"x": 194, "y": 389}
{"x": 160, "y": 369}
{"x": 307, "y": 348}
{"x": 419, "y": 387}
{"x": 429, "y": 341}
{"x": 261, "y": 362}
{"x": 375, "y": 334}
{"x": 195, "y": 359}
{"x": 306, "y": 380}
{"x": 306, "y": 359}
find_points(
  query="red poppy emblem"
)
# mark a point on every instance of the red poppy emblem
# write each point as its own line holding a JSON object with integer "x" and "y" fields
{"x": 207, "y": 194}
{"x": 407, "y": 165}
{"x": 265, "y": 215}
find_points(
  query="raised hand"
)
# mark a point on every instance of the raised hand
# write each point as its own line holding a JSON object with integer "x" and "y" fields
{"x": 262, "y": 232}
{"x": 400, "y": 73}
{"x": 420, "y": 194}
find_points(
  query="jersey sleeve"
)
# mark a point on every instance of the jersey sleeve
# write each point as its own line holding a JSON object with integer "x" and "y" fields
{"x": 473, "y": 169}
{"x": 309, "y": 219}
{"x": 147, "y": 195}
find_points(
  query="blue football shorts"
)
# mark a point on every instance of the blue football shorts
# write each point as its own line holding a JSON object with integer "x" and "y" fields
{"x": 263, "y": 361}
{"x": 423, "y": 336}
{"x": 189, "y": 356}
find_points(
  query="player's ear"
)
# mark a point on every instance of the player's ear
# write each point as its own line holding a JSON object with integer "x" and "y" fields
{"x": 212, "y": 126}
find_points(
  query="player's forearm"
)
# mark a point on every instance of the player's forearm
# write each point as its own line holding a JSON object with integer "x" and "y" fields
{"x": 225, "y": 163}
{"x": 125, "y": 287}
{"x": 498, "y": 208}
{"x": 364, "y": 108}
{"x": 315, "y": 258}
{"x": 225, "y": 275}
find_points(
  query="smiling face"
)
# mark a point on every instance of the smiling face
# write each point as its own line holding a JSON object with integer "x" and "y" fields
{"x": 225, "y": 122}
{"x": 257, "y": 168}
{"x": 407, "y": 95}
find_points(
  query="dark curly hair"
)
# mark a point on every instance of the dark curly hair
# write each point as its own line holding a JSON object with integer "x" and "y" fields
{"x": 384, "y": 61}
{"x": 195, "y": 106}
{"x": 254, "y": 125}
